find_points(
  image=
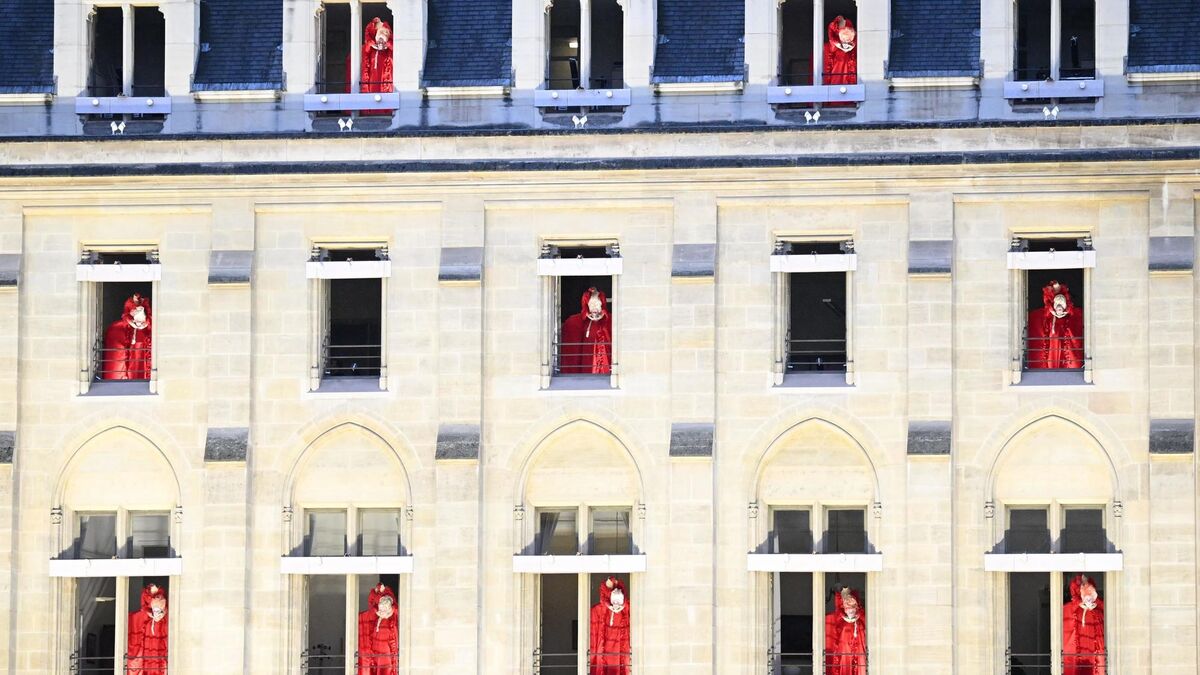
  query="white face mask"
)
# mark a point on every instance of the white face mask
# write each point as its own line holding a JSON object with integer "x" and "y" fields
{"x": 594, "y": 305}
{"x": 138, "y": 314}
{"x": 157, "y": 613}
{"x": 617, "y": 599}
{"x": 385, "y": 607}
{"x": 1060, "y": 306}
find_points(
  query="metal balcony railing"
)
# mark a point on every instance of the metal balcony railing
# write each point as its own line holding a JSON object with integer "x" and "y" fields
{"x": 1085, "y": 663}
{"x": 355, "y": 360}
{"x": 826, "y": 354}
{"x": 1053, "y": 353}
{"x": 138, "y": 665}
{"x": 790, "y": 663}
{"x": 382, "y": 663}
{"x": 844, "y": 663}
{"x": 316, "y": 660}
{"x": 545, "y": 663}
{"x": 145, "y": 665}
{"x": 1026, "y": 664}
{"x": 576, "y": 358}
{"x": 119, "y": 364}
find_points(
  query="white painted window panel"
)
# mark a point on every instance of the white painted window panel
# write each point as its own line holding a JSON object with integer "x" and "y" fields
{"x": 579, "y": 267}
{"x": 1051, "y": 260}
{"x": 578, "y": 564}
{"x": 118, "y": 272}
{"x": 815, "y": 262}
{"x": 117, "y": 567}
{"x": 814, "y": 562}
{"x": 391, "y": 564}
{"x": 1053, "y": 562}
{"x": 346, "y": 269}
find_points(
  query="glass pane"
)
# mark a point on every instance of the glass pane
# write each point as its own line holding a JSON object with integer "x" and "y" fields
{"x": 97, "y": 536}
{"x": 816, "y": 321}
{"x": 1083, "y": 531}
{"x": 558, "y": 637}
{"x": 1029, "y": 622}
{"x": 151, "y": 536}
{"x": 325, "y": 634}
{"x": 847, "y": 531}
{"x": 845, "y": 639}
{"x": 379, "y": 532}
{"x": 610, "y": 651}
{"x": 610, "y": 533}
{"x": 149, "y": 618}
{"x": 1027, "y": 531}
{"x": 378, "y": 624}
{"x": 793, "y": 532}
{"x": 1078, "y": 40}
{"x": 558, "y": 533}
{"x": 96, "y": 621}
{"x": 794, "y": 653}
{"x": 325, "y": 533}
{"x": 1033, "y": 40}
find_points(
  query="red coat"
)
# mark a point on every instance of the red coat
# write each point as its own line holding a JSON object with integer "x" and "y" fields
{"x": 609, "y": 652}
{"x": 1083, "y": 634}
{"x": 586, "y": 345}
{"x": 840, "y": 64}
{"x": 146, "y": 652}
{"x": 378, "y": 638}
{"x": 845, "y": 641}
{"x": 376, "y": 63}
{"x": 126, "y": 354}
{"x": 1055, "y": 342}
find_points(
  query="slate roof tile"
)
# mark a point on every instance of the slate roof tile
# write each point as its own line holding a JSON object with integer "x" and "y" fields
{"x": 470, "y": 43}
{"x": 1164, "y": 35}
{"x": 240, "y": 45}
{"x": 700, "y": 41}
{"x": 27, "y": 46}
{"x": 934, "y": 38}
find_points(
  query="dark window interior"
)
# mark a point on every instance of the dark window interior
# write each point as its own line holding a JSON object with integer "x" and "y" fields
{"x": 564, "y": 45}
{"x": 847, "y": 531}
{"x": 571, "y": 289}
{"x": 335, "y": 53}
{"x": 608, "y": 45}
{"x": 1029, "y": 623}
{"x": 559, "y": 614}
{"x": 112, "y": 296}
{"x": 817, "y": 321}
{"x": 96, "y": 620}
{"x": 149, "y": 52}
{"x": 795, "y": 624}
{"x": 1033, "y": 40}
{"x": 105, "y": 77}
{"x": 355, "y": 328}
{"x": 1078, "y": 55}
{"x": 1038, "y": 279}
{"x": 793, "y": 532}
{"x": 325, "y": 634}
{"x": 1028, "y": 531}
{"x": 1083, "y": 531}
{"x": 796, "y": 43}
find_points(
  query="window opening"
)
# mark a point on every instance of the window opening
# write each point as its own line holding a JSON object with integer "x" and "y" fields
{"x": 97, "y": 536}
{"x": 608, "y": 626}
{"x": 584, "y": 342}
{"x": 847, "y": 531}
{"x": 325, "y": 627}
{"x": 325, "y": 533}
{"x": 793, "y": 531}
{"x": 1033, "y": 40}
{"x": 106, "y": 76}
{"x": 796, "y": 43}
{"x": 793, "y": 653}
{"x": 96, "y": 626}
{"x": 1084, "y": 645}
{"x": 149, "y": 52}
{"x": 565, "y": 65}
{"x": 1028, "y": 531}
{"x": 1029, "y": 650}
{"x": 354, "y": 342}
{"x": 1078, "y": 41}
{"x": 150, "y": 535}
{"x": 1042, "y": 53}
{"x": 148, "y": 629}
{"x": 379, "y": 533}
{"x": 378, "y": 55}
{"x": 607, "y": 67}
{"x": 378, "y": 648}
{"x": 585, "y": 45}
{"x": 610, "y": 533}
{"x": 557, "y": 533}
{"x": 818, "y": 42}
{"x": 816, "y": 336}
{"x": 335, "y": 50}
{"x": 558, "y": 638}
{"x": 1054, "y": 323}
{"x": 845, "y": 622}
{"x": 1083, "y": 531}
{"x": 372, "y": 40}
{"x": 124, "y": 339}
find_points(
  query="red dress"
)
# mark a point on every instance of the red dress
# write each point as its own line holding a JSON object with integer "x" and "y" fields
{"x": 587, "y": 343}
{"x": 378, "y": 638}
{"x": 845, "y": 640}
{"x": 127, "y": 343}
{"x": 376, "y": 59}
{"x": 146, "y": 653}
{"x": 1083, "y": 634}
{"x": 841, "y": 53}
{"x": 1054, "y": 341}
{"x": 609, "y": 652}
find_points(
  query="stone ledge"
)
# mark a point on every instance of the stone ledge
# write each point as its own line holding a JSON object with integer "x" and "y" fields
{"x": 1171, "y": 254}
{"x": 930, "y": 257}
{"x": 1172, "y": 437}
{"x": 458, "y": 441}
{"x": 227, "y": 444}
{"x": 692, "y": 440}
{"x": 230, "y": 267}
{"x": 694, "y": 260}
{"x": 929, "y": 438}
{"x": 463, "y": 263}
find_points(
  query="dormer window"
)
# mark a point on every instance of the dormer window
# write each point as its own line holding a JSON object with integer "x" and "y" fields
{"x": 586, "y": 45}
{"x": 818, "y": 53}
{"x": 126, "y": 79}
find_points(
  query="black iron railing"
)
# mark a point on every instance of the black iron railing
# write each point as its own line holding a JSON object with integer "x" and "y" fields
{"x": 551, "y": 664}
{"x": 845, "y": 663}
{"x": 332, "y": 87}
{"x": 315, "y": 660}
{"x": 578, "y": 358}
{"x": 130, "y": 665}
{"x": 1032, "y": 73}
{"x": 1085, "y": 663}
{"x": 132, "y": 364}
{"x": 355, "y": 360}
{"x": 816, "y": 354}
{"x": 790, "y": 663}
{"x": 1053, "y": 353}
{"x": 1016, "y": 663}
{"x": 145, "y": 665}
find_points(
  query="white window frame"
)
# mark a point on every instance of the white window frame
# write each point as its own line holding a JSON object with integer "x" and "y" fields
{"x": 585, "y": 50}
{"x": 551, "y": 268}
{"x": 818, "y": 91}
{"x": 782, "y": 266}
{"x": 319, "y": 273}
{"x": 1055, "y": 87}
{"x": 298, "y": 569}
{"x": 71, "y": 570}
{"x": 1019, "y": 263}
{"x": 90, "y": 273}
{"x": 126, "y": 102}
{"x": 1057, "y": 565}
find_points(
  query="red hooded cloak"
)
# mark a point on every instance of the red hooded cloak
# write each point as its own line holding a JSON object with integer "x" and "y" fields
{"x": 609, "y": 652}
{"x": 126, "y": 354}
{"x": 586, "y": 345}
{"x": 1083, "y": 633}
{"x": 378, "y": 638}
{"x": 146, "y": 653}
{"x": 1055, "y": 342}
{"x": 841, "y": 53}
{"x": 376, "y": 60}
{"x": 845, "y": 639}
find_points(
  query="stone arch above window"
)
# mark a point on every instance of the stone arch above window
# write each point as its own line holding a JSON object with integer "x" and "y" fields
{"x": 815, "y": 460}
{"x": 118, "y": 468}
{"x": 1053, "y": 458}
{"x": 349, "y": 464}
{"x": 581, "y": 462}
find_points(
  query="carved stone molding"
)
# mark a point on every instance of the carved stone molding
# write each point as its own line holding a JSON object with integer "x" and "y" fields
{"x": 287, "y": 514}
{"x": 518, "y": 513}
{"x": 56, "y": 516}
{"x": 989, "y": 509}
{"x": 753, "y": 509}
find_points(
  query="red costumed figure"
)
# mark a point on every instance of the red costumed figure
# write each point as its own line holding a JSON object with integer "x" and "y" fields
{"x": 146, "y": 653}
{"x": 841, "y": 53}
{"x": 587, "y": 337}
{"x": 608, "y": 650}
{"x": 1083, "y": 630}
{"x": 846, "y": 635}
{"x": 1055, "y": 331}
{"x": 377, "y": 61}
{"x": 378, "y": 635}
{"x": 127, "y": 342}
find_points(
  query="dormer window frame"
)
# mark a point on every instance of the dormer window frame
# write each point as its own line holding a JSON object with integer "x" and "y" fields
{"x": 127, "y": 101}
{"x": 781, "y": 92}
{"x": 355, "y": 100}
{"x": 551, "y": 96}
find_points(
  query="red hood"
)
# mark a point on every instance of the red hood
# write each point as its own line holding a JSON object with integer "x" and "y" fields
{"x": 151, "y": 592}
{"x": 837, "y": 601}
{"x": 606, "y": 592}
{"x": 133, "y": 301}
{"x": 372, "y": 28}
{"x": 1048, "y": 295}
{"x": 836, "y": 26}
{"x": 378, "y": 593}
{"x": 583, "y": 301}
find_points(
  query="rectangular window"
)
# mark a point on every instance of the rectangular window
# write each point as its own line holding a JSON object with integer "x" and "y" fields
{"x": 558, "y": 533}
{"x": 604, "y": 653}
{"x": 325, "y": 533}
{"x": 379, "y": 650}
{"x": 325, "y": 648}
{"x": 1054, "y": 309}
{"x": 97, "y": 536}
{"x": 149, "y": 52}
{"x": 581, "y": 323}
{"x": 108, "y": 73}
{"x": 96, "y": 621}
{"x": 610, "y": 532}
{"x": 1029, "y": 632}
{"x": 118, "y": 309}
{"x": 1044, "y": 54}
{"x": 379, "y": 532}
{"x": 350, "y": 296}
{"x": 793, "y": 532}
{"x": 340, "y": 41}
{"x": 818, "y": 42}
{"x": 1083, "y": 531}
{"x": 585, "y": 45}
{"x": 847, "y": 531}
{"x": 813, "y": 301}
{"x": 792, "y": 649}
{"x": 105, "y": 76}
{"x": 1028, "y": 531}
{"x": 150, "y": 535}
{"x": 558, "y": 628}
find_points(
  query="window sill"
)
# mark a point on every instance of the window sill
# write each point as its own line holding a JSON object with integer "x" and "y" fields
{"x": 1053, "y": 562}
{"x": 815, "y": 380}
{"x": 814, "y": 562}
{"x": 117, "y": 567}
{"x": 1052, "y": 378}
{"x": 123, "y": 105}
{"x": 821, "y": 93}
{"x": 579, "y": 564}
{"x": 354, "y": 387}
{"x": 569, "y": 98}
{"x": 563, "y": 383}
{"x": 388, "y": 101}
{"x": 113, "y": 388}
{"x": 1083, "y": 88}
{"x": 365, "y": 564}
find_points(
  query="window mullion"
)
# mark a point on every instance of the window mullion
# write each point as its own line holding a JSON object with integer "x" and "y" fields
{"x": 127, "y": 49}
{"x": 583, "y": 614}
{"x": 356, "y": 37}
{"x": 585, "y": 43}
{"x": 818, "y": 51}
{"x": 1055, "y": 38}
{"x": 1056, "y": 624}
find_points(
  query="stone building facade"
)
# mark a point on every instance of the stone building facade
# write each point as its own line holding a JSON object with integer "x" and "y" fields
{"x": 746, "y": 456}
